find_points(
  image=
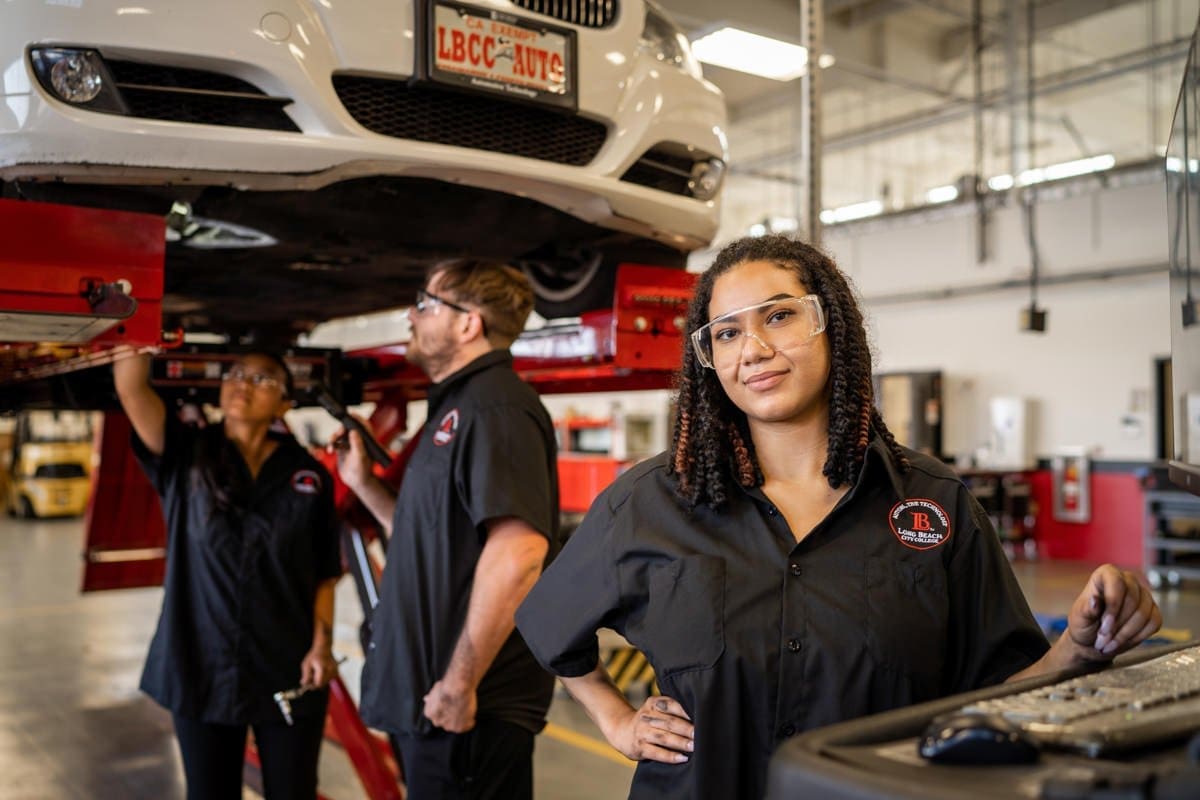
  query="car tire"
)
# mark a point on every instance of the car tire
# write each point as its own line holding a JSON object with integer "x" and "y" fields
{"x": 567, "y": 288}
{"x": 568, "y": 284}
{"x": 27, "y": 509}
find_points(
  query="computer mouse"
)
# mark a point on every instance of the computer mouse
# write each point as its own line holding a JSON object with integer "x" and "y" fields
{"x": 976, "y": 738}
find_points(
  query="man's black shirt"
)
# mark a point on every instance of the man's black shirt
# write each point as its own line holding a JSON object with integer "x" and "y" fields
{"x": 901, "y": 594}
{"x": 237, "y": 614}
{"x": 487, "y": 451}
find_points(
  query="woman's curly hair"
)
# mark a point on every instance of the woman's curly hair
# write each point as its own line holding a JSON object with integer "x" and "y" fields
{"x": 712, "y": 444}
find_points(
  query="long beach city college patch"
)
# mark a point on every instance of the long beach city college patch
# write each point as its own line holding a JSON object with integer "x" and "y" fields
{"x": 446, "y": 428}
{"x": 919, "y": 524}
{"x": 306, "y": 481}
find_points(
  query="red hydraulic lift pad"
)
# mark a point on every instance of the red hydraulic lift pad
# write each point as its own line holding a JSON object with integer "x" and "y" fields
{"x": 80, "y": 275}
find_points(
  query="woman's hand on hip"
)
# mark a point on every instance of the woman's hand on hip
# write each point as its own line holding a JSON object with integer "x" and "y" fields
{"x": 658, "y": 731}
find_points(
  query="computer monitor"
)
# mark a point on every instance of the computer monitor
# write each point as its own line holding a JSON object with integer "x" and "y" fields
{"x": 1182, "y": 166}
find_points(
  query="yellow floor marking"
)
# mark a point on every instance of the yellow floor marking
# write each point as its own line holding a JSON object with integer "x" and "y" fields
{"x": 619, "y": 660}
{"x": 629, "y": 671}
{"x": 593, "y": 746}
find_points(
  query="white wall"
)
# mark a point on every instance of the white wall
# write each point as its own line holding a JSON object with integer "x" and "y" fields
{"x": 1090, "y": 375}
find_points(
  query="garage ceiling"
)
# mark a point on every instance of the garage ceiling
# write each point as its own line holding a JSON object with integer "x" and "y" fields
{"x": 898, "y": 101}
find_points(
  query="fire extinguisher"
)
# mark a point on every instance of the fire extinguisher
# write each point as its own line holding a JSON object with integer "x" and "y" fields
{"x": 1070, "y": 487}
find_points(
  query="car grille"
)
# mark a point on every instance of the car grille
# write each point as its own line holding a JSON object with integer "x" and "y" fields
{"x": 587, "y": 13}
{"x": 667, "y": 172}
{"x": 176, "y": 94}
{"x": 478, "y": 122}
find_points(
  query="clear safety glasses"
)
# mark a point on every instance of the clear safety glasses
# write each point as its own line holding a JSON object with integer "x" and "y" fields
{"x": 237, "y": 374}
{"x": 427, "y": 300}
{"x": 776, "y": 324}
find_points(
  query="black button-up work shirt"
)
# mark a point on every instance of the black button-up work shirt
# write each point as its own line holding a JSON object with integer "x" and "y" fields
{"x": 487, "y": 451}
{"x": 237, "y": 614}
{"x": 901, "y": 594}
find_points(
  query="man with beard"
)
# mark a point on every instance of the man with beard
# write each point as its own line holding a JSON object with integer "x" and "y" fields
{"x": 474, "y": 524}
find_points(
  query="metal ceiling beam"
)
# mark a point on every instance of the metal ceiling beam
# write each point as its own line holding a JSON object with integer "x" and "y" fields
{"x": 864, "y": 13}
{"x": 1050, "y": 15}
{"x": 884, "y": 76}
{"x": 1102, "y": 70}
{"x": 812, "y": 26}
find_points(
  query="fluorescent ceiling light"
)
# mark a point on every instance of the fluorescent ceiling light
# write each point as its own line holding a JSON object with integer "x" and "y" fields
{"x": 1054, "y": 172}
{"x": 774, "y": 225}
{"x": 870, "y": 208}
{"x": 941, "y": 194}
{"x": 748, "y": 52}
{"x": 1066, "y": 169}
{"x": 1175, "y": 164}
{"x": 1000, "y": 182}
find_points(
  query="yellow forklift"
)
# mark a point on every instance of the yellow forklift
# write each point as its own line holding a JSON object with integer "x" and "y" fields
{"x": 50, "y": 465}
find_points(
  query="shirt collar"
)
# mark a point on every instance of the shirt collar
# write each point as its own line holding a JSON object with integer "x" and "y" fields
{"x": 877, "y": 457}
{"x": 490, "y": 359}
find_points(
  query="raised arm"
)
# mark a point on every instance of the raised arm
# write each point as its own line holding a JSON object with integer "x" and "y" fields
{"x": 354, "y": 468}
{"x": 143, "y": 406}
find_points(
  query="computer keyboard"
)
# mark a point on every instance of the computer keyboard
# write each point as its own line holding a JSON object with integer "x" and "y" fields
{"x": 1118, "y": 709}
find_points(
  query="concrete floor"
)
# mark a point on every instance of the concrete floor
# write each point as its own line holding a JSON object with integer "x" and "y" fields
{"x": 73, "y": 724}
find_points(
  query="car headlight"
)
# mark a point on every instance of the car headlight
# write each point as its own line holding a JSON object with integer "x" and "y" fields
{"x": 662, "y": 39}
{"x": 76, "y": 76}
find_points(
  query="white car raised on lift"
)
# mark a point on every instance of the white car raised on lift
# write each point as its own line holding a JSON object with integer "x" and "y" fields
{"x": 351, "y": 143}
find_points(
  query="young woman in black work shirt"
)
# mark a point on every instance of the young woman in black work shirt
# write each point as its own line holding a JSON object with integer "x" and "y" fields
{"x": 787, "y": 564}
{"x": 252, "y": 560}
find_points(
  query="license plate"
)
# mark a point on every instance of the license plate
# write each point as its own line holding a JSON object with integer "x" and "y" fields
{"x": 497, "y": 53}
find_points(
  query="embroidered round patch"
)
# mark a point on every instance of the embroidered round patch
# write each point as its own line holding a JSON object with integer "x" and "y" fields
{"x": 919, "y": 524}
{"x": 446, "y": 428}
{"x": 306, "y": 481}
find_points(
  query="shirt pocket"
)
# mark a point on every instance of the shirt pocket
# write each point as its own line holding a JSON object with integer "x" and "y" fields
{"x": 685, "y": 616}
{"x": 907, "y": 616}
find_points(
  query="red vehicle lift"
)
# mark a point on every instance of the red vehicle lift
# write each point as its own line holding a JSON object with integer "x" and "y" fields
{"x": 92, "y": 280}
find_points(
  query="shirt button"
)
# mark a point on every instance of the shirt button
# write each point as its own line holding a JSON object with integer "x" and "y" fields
{"x": 786, "y": 730}
{"x": 772, "y": 511}
{"x": 794, "y": 645}
{"x": 795, "y": 570}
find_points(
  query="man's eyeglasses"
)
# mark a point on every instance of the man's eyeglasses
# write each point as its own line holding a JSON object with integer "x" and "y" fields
{"x": 427, "y": 300}
{"x": 255, "y": 379}
{"x": 776, "y": 324}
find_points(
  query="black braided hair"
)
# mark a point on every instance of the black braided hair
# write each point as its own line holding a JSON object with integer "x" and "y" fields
{"x": 712, "y": 444}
